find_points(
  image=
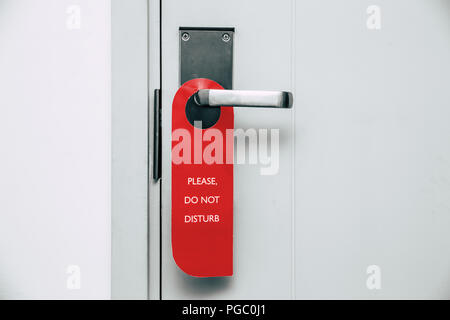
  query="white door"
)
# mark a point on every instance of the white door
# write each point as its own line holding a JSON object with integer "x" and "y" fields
{"x": 360, "y": 205}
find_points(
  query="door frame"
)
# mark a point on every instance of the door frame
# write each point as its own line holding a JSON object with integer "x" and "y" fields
{"x": 135, "y": 207}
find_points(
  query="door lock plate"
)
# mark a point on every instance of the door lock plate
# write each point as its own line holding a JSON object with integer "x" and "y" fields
{"x": 207, "y": 53}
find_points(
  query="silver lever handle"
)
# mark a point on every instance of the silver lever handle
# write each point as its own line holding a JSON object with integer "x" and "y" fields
{"x": 243, "y": 98}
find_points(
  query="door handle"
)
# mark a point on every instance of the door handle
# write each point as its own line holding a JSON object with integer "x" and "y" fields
{"x": 243, "y": 98}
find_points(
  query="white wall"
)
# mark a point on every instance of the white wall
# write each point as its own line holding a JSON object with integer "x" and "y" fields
{"x": 55, "y": 148}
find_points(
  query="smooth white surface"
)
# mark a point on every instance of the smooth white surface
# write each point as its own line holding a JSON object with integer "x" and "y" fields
{"x": 55, "y": 149}
{"x": 372, "y": 153}
{"x": 130, "y": 150}
{"x": 365, "y": 153}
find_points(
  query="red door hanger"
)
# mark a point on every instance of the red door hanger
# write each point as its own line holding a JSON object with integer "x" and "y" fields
{"x": 202, "y": 188}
